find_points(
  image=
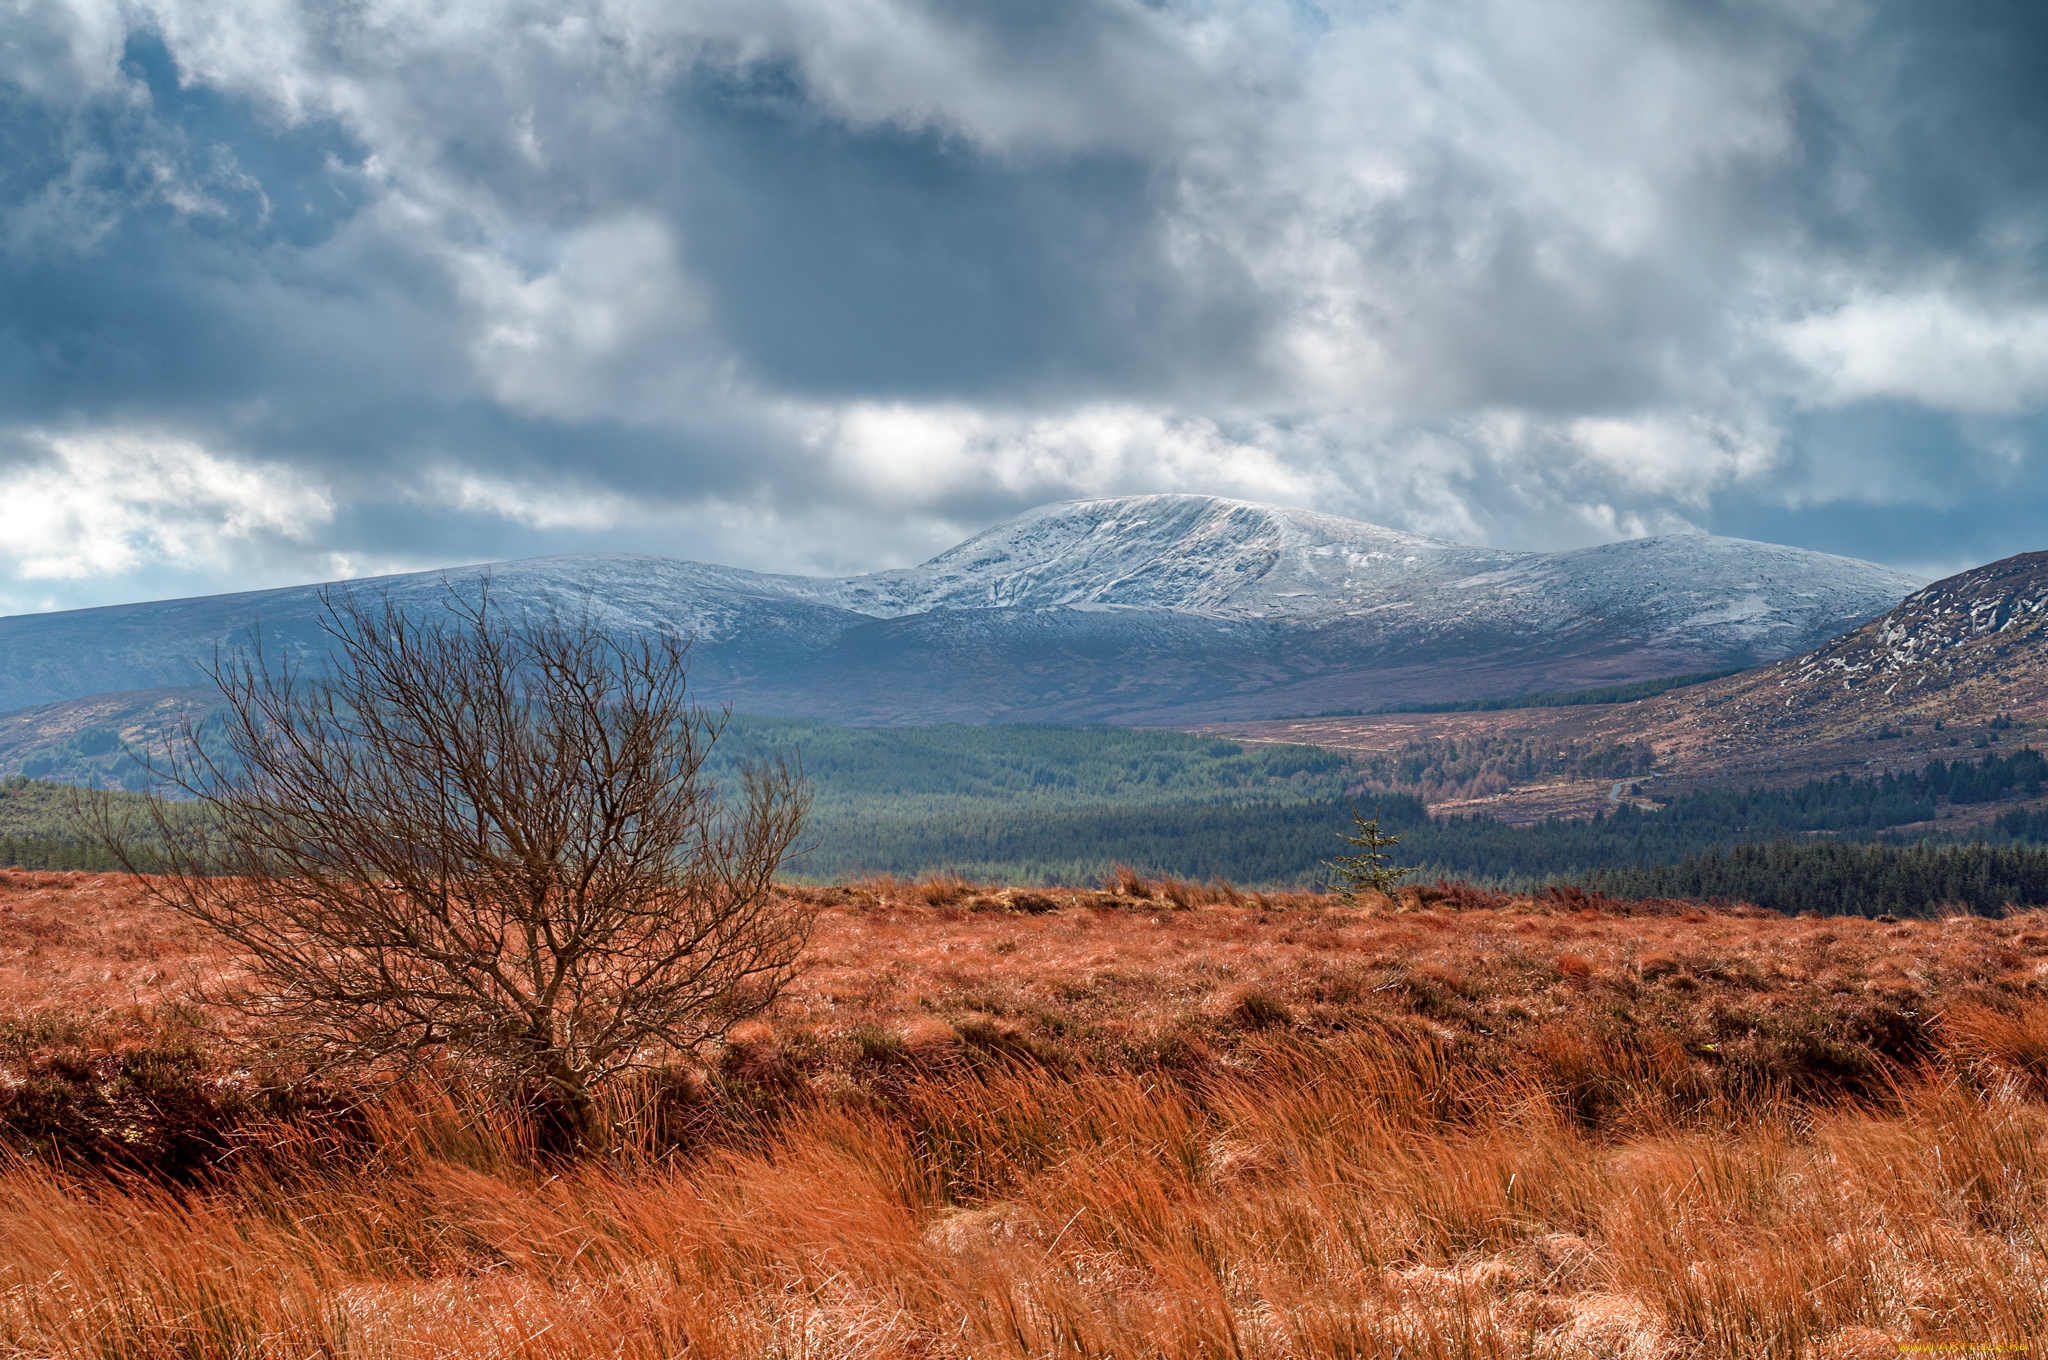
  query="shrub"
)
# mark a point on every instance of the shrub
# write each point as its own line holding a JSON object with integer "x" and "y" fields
{"x": 480, "y": 842}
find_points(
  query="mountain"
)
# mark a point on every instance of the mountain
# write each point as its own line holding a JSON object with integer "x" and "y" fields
{"x": 1956, "y": 671}
{"x": 1141, "y": 609}
{"x": 1969, "y": 649}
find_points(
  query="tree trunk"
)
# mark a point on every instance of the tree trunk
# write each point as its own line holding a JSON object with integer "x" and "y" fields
{"x": 587, "y": 1121}
{"x": 582, "y": 1113}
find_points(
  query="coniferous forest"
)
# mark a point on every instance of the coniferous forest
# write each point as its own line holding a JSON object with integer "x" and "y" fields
{"x": 1062, "y": 805}
{"x": 1846, "y": 879}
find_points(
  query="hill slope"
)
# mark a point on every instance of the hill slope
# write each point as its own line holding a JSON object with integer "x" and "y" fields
{"x": 1959, "y": 664}
{"x": 1971, "y": 647}
{"x": 1134, "y": 609}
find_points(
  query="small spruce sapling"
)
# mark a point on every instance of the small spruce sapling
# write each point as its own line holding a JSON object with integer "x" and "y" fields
{"x": 1372, "y": 867}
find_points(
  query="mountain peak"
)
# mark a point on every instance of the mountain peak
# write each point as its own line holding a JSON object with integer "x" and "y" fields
{"x": 1954, "y": 632}
{"x": 1201, "y": 554}
{"x": 1129, "y": 608}
{"x": 1959, "y": 649}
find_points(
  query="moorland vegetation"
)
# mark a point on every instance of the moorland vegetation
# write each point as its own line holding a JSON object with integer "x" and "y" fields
{"x": 1629, "y": 693}
{"x": 1165, "y": 1119}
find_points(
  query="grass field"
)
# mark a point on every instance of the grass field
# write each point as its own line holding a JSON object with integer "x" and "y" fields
{"x": 1159, "y": 1121}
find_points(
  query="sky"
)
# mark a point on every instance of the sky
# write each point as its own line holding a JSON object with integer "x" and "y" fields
{"x": 295, "y": 292}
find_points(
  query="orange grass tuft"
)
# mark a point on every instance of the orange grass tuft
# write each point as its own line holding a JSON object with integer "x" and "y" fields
{"x": 1357, "y": 1198}
{"x": 941, "y": 889}
{"x": 1126, "y": 881}
{"x": 2011, "y": 1043}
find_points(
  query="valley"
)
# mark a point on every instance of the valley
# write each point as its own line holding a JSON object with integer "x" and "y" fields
{"x": 1491, "y": 794}
{"x": 1679, "y": 766}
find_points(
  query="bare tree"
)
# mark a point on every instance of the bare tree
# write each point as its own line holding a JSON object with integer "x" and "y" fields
{"x": 477, "y": 839}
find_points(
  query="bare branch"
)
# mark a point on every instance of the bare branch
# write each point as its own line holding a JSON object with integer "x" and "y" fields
{"x": 484, "y": 840}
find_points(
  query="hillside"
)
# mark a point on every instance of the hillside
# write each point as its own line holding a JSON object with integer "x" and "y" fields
{"x": 1960, "y": 665}
{"x": 83, "y": 738}
{"x": 1964, "y": 650}
{"x": 1144, "y": 609}
{"x": 1066, "y": 805}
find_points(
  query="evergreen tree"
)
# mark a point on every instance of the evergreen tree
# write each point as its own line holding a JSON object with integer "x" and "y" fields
{"x": 1373, "y": 867}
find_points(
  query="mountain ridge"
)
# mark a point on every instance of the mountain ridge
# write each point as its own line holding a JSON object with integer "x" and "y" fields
{"x": 1125, "y": 609}
{"x": 1971, "y": 646}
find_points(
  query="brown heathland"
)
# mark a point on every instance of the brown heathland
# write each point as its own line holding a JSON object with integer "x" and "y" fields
{"x": 1164, "y": 1121}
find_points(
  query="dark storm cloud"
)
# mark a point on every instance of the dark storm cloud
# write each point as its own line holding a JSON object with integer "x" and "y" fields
{"x": 1922, "y": 139}
{"x": 165, "y": 255}
{"x": 903, "y": 263}
{"x": 817, "y": 284}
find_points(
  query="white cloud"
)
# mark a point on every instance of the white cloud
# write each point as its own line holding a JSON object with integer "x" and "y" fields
{"x": 610, "y": 328}
{"x": 538, "y": 506}
{"x": 1687, "y": 458}
{"x": 1929, "y": 347}
{"x": 102, "y": 503}
{"x": 911, "y": 455}
{"x": 63, "y": 50}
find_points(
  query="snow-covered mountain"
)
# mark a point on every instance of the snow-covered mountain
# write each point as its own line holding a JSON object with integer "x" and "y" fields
{"x": 1133, "y": 609}
{"x": 1964, "y": 650}
{"x": 1189, "y": 553}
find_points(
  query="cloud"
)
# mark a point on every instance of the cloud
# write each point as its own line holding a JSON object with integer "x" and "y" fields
{"x": 596, "y": 333}
{"x": 1687, "y": 459}
{"x": 1944, "y": 352}
{"x": 539, "y": 507}
{"x": 102, "y": 503}
{"x": 906, "y": 453}
{"x": 815, "y": 284}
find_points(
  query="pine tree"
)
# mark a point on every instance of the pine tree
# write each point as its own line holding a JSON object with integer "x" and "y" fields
{"x": 1373, "y": 867}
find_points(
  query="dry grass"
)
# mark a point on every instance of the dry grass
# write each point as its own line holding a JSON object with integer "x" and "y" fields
{"x": 1017, "y": 1123}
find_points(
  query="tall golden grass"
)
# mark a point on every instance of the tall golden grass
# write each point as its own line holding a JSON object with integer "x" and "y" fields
{"x": 1094, "y": 1125}
{"x": 1368, "y": 1196}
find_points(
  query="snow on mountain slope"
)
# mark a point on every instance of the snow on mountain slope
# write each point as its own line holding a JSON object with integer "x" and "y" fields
{"x": 1762, "y": 600}
{"x": 1199, "y": 553}
{"x": 1244, "y": 560}
{"x": 742, "y": 620}
{"x": 633, "y": 590}
{"x": 1964, "y": 649}
{"x": 1167, "y": 606}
